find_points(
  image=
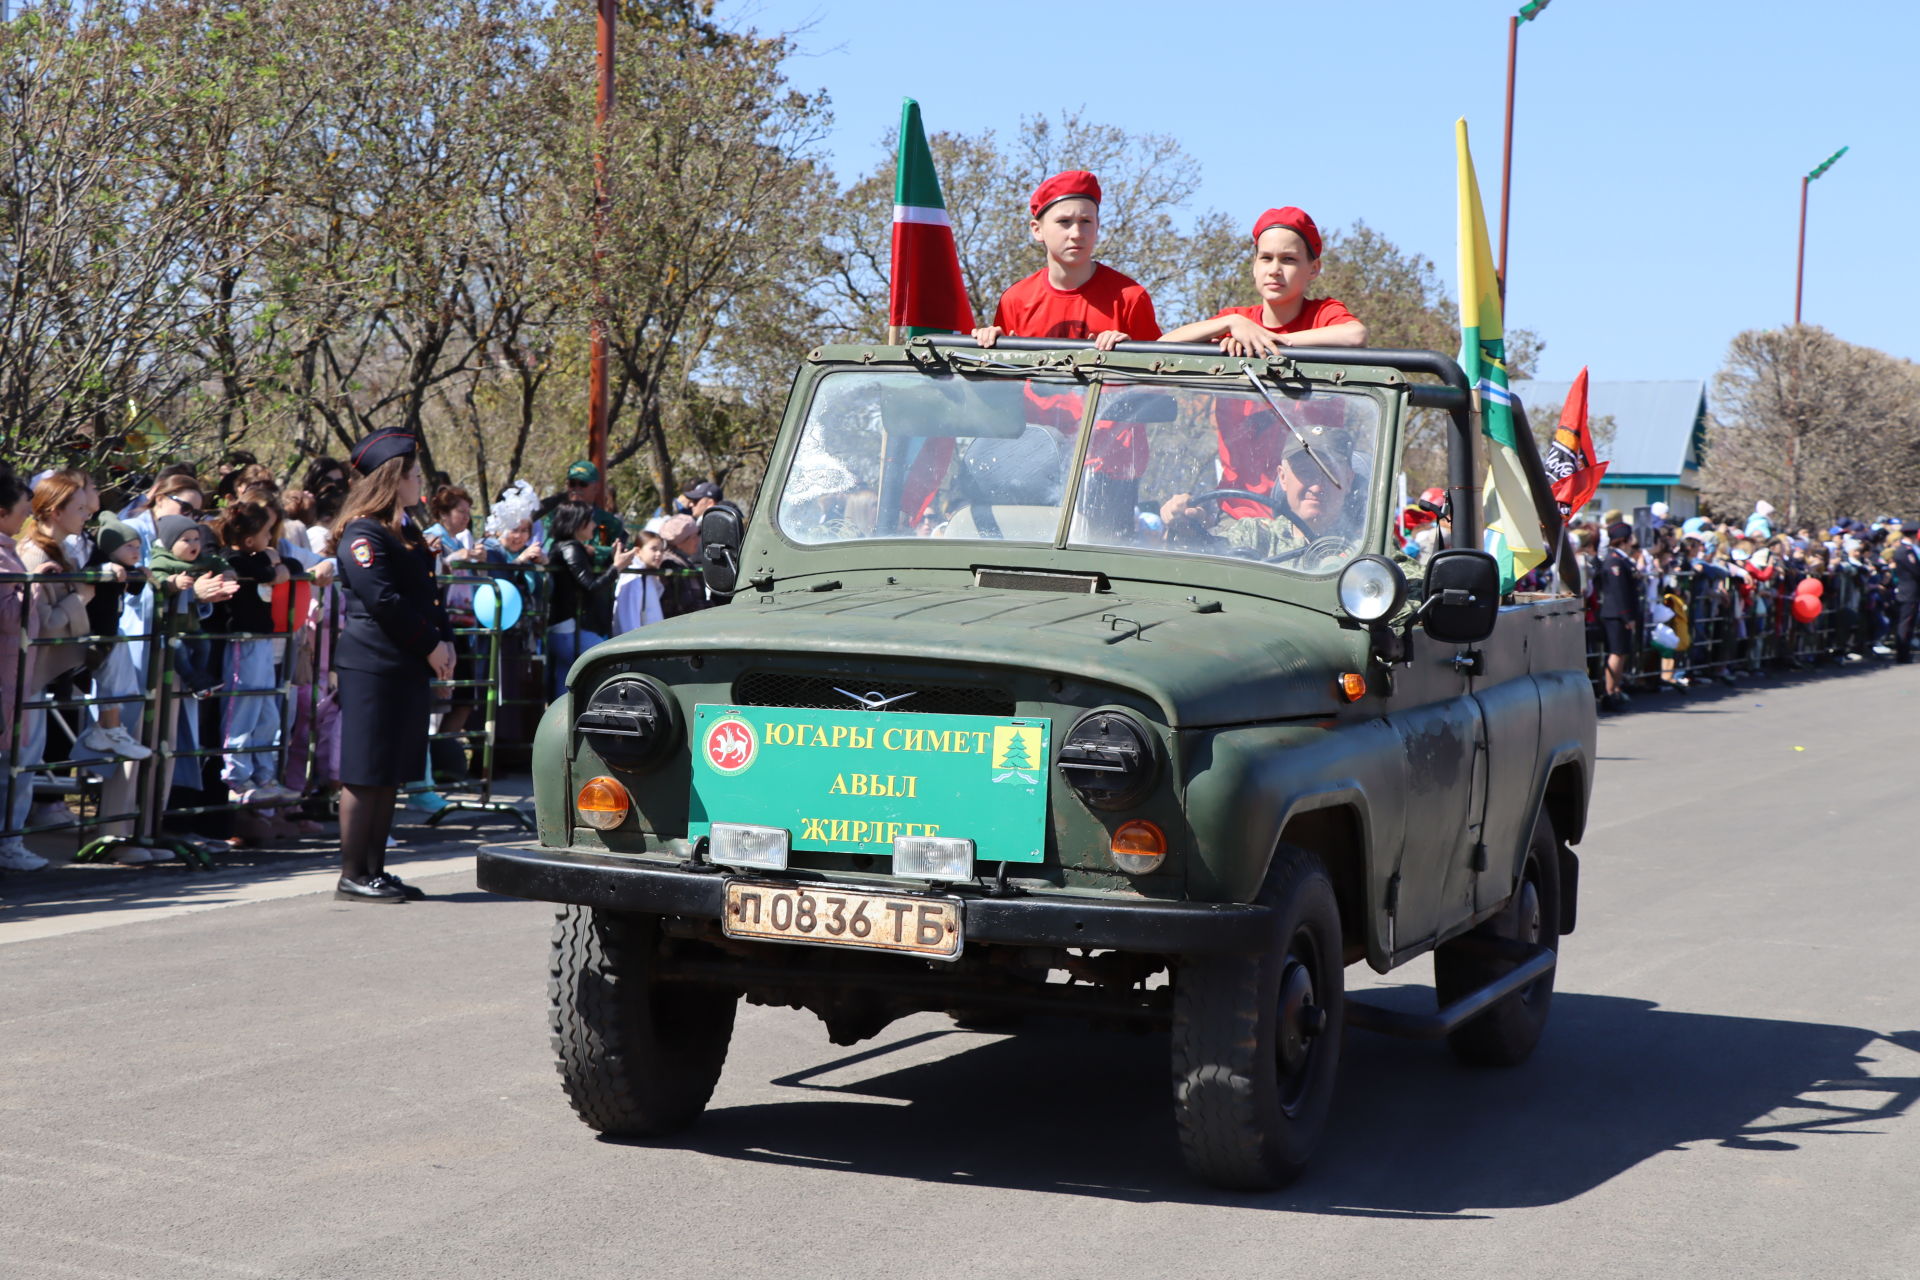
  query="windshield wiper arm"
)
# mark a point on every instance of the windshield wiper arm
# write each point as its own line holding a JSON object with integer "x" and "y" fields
{"x": 954, "y": 356}
{"x": 1298, "y": 434}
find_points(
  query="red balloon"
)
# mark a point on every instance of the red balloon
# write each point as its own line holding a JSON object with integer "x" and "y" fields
{"x": 1806, "y": 607}
{"x": 1811, "y": 587}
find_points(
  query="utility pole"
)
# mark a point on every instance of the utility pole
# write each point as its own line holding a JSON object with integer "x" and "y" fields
{"x": 609, "y": 13}
{"x": 1800, "y": 267}
{"x": 1528, "y": 12}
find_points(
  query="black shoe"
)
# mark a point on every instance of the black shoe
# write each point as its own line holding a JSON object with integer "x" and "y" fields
{"x": 376, "y": 889}
{"x": 393, "y": 881}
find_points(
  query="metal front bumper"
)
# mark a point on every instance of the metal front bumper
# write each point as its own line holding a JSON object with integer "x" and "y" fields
{"x": 1047, "y": 920}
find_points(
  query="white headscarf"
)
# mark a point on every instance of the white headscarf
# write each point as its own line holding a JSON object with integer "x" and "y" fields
{"x": 519, "y": 503}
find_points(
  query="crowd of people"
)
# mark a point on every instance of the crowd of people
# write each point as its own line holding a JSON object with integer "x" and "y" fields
{"x": 231, "y": 583}
{"x": 227, "y": 584}
{"x": 1671, "y": 601}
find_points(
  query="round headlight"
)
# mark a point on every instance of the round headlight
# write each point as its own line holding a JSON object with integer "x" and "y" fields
{"x": 1372, "y": 588}
{"x": 1109, "y": 760}
{"x": 627, "y": 722}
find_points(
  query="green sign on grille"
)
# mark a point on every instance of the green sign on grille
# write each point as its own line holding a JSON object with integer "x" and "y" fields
{"x": 852, "y": 781}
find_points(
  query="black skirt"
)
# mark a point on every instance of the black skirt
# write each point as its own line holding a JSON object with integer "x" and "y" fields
{"x": 383, "y": 728}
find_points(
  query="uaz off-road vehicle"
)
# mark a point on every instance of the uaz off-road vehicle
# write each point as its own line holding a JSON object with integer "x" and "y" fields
{"x": 1056, "y": 680}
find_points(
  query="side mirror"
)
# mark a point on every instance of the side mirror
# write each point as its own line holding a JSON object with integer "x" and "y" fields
{"x": 1462, "y": 596}
{"x": 722, "y": 530}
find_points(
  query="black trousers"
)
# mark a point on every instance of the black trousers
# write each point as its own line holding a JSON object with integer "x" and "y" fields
{"x": 1909, "y": 610}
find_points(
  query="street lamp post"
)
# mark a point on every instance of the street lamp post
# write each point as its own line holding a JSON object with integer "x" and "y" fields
{"x": 1528, "y": 12}
{"x": 1800, "y": 268}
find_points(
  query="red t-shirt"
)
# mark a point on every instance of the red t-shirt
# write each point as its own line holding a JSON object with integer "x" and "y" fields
{"x": 1251, "y": 438}
{"x": 1035, "y": 309}
{"x": 1315, "y": 313}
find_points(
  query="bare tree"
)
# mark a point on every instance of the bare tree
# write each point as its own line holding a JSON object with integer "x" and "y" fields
{"x": 1817, "y": 425}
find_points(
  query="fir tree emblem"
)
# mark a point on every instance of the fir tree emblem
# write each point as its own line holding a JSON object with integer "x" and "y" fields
{"x": 1013, "y": 754}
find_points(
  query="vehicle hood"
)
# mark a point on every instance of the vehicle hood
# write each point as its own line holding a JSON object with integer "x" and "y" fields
{"x": 1237, "y": 661}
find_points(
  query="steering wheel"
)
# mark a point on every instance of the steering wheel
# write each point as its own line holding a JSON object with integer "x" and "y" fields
{"x": 1322, "y": 553}
{"x": 1189, "y": 531}
{"x": 1265, "y": 500}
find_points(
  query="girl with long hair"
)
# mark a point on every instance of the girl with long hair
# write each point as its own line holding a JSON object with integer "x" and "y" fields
{"x": 395, "y": 641}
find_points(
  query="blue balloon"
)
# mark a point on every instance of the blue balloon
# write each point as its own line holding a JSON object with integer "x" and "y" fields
{"x": 497, "y": 605}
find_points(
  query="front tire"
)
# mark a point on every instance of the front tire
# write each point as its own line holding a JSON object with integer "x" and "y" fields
{"x": 1256, "y": 1038}
{"x": 1505, "y": 1035}
{"x": 637, "y": 1057}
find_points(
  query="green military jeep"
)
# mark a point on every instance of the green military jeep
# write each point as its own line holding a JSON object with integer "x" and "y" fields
{"x": 1059, "y": 681}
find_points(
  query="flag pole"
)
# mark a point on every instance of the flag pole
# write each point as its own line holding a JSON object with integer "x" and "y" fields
{"x": 1506, "y": 157}
{"x": 607, "y": 14}
{"x": 1800, "y": 267}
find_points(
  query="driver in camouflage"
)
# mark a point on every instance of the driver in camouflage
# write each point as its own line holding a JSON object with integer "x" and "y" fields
{"x": 1314, "y": 497}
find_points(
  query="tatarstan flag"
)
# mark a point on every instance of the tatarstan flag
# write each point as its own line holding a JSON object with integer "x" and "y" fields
{"x": 925, "y": 293}
{"x": 1512, "y": 520}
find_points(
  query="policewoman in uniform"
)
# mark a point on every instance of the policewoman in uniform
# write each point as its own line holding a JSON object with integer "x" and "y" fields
{"x": 396, "y": 639}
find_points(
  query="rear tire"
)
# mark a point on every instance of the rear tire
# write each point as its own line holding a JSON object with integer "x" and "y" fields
{"x": 637, "y": 1057}
{"x": 1256, "y": 1038}
{"x": 1505, "y": 1035}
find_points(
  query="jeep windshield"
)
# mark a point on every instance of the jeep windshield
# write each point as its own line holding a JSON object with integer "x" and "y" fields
{"x": 1281, "y": 473}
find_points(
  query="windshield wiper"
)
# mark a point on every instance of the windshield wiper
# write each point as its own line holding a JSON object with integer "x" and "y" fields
{"x": 954, "y": 356}
{"x": 1298, "y": 434}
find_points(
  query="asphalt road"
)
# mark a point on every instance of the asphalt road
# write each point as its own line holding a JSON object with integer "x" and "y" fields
{"x": 281, "y": 1086}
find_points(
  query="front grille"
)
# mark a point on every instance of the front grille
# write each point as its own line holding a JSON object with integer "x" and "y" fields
{"x": 774, "y": 689}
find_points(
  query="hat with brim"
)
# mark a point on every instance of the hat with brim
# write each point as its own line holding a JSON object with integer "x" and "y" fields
{"x": 381, "y": 447}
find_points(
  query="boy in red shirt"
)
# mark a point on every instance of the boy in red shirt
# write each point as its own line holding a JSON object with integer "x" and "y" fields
{"x": 1286, "y": 259}
{"x": 1073, "y": 296}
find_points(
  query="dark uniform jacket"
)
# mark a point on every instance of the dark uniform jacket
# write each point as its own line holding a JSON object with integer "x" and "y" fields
{"x": 1906, "y": 572}
{"x": 1620, "y": 593}
{"x": 394, "y": 613}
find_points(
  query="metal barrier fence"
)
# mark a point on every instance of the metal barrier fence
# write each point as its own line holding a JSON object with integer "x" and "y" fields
{"x": 1730, "y": 631}
{"x": 485, "y": 647}
{"x": 121, "y": 803}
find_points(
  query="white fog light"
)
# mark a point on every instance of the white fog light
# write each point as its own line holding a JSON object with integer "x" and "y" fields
{"x": 737, "y": 844}
{"x": 933, "y": 857}
{"x": 1372, "y": 588}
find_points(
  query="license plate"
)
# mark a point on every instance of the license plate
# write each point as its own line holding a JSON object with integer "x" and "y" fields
{"x": 843, "y": 918}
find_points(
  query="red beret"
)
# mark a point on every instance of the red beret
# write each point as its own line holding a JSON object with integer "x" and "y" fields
{"x": 1074, "y": 183}
{"x": 1293, "y": 220}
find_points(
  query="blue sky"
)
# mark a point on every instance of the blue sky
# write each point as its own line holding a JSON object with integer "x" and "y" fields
{"x": 1658, "y": 143}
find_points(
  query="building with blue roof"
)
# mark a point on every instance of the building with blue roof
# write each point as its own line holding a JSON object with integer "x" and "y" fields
{"x": 1660, "y": 433}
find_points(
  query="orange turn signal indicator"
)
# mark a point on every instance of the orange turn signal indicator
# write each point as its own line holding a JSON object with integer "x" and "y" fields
{"x": 1353, "y": 685}
{"x": 602, "y": 803}
{"x": 1138, "y": 846}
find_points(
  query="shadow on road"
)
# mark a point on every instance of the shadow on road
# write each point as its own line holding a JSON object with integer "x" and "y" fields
{"x": 1414, "y": 1135}
{"x": 73, "y": 888}
{"x": 1709, "y": 697}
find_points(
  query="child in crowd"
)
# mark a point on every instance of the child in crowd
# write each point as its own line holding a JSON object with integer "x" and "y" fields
{"x": 116, "y": 550}
{"x": 455, "y": 544}
{"x": 1286, "y": 260}
{"x": 639, "y": 599}
{"x": 1073, "y": 296}
{"x": 17, "y": 621}
{"x": 251, "y": 723}
{"x": 178, "y": 561}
